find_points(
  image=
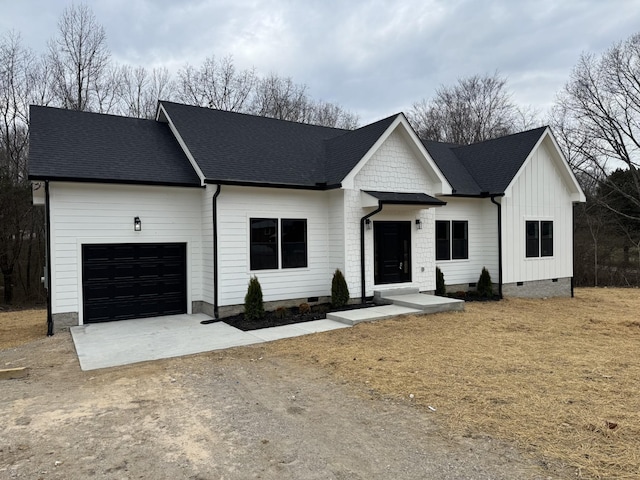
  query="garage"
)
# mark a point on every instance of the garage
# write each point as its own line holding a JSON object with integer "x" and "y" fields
{"x": 133, "y": 280}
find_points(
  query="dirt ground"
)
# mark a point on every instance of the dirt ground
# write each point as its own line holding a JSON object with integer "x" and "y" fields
{"x": 516, "y": 389}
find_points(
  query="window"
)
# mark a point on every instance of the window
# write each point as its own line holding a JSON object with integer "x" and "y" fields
{"x": 294, "y": 243}
{"x": 265, "y": 238}
{"x": 539, "y": 238}
{"x": 264, "y": 243}
{"x": 452, "y": 240}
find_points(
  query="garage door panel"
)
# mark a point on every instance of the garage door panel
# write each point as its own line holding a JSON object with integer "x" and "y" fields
{"x": 123, "y": 281}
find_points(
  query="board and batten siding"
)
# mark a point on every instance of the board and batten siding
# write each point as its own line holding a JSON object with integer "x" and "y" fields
{"x": 537, "y": 193}
{"x": 236, "y": 206}
{"x": 482, "y": 216}
{"x": 83, "y": 213}
{"x": 393, "y": 167}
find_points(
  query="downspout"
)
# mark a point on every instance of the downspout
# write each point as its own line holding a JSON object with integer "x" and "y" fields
{"x": 362, "y": 263}
{"x": 47, "y": 220}
{"x": 214, "y": 207}
{"x": 493, "y": 200}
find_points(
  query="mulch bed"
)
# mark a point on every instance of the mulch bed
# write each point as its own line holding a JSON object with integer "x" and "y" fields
{"x": 288, "y": 316}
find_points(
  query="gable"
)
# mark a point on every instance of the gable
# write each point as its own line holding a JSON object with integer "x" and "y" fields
{"x": 398, "y": 162}
{"x": 546, "y": 170}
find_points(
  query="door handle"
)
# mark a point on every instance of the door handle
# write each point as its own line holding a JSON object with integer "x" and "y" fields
{"x": 400, "y": 266}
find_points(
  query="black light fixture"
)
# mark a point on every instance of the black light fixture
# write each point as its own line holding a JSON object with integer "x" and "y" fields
{"x": 418, "y": 224}
{"x": 367, "y": 222}
{"x": 137, "y": 224}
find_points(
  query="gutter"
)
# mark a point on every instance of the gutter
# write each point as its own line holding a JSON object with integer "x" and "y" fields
{"x": 214, "y": 207}
{"x": 362, "y": 262}
{"x": 47, "y": 220}
{"x": 493, "y": 200}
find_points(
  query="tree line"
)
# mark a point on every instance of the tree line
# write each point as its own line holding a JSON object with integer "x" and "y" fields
{"x": 595, "y": 119}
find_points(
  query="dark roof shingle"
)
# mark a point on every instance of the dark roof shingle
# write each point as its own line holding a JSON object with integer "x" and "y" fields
{"x": 486, "y": 167}
{"x": 73, "y": 145}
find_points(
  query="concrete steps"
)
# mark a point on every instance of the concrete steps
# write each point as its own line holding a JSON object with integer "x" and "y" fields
{"x": 395, "y": 302}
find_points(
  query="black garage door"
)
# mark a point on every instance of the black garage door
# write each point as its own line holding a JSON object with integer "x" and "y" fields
{"x": 133, "y": 280}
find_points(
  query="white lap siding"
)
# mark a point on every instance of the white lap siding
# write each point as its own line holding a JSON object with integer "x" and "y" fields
{"x": 482, "y": 218}
{"x": 236, "y": 206}
{"x": 83, "y": 213}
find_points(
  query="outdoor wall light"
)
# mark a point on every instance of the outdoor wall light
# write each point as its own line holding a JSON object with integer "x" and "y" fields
{"x": 367, "y": 222}
{"x": 419, "y": 224}
{"x": 137, "y": 224}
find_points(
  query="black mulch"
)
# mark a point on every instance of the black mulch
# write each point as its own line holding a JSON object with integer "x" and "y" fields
{"x": 287, "y": 316}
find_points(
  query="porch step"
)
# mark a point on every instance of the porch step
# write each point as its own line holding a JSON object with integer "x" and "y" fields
{"x": 381, "y": 297}
{"x": 426, "y": 303}
{"x": 351, "y": 317}
{"x": 405, "y": 304}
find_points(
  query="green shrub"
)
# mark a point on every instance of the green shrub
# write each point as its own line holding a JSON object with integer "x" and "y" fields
{"x": 485, "y": 286}
{"x": 441, "y": 290}
{"x": 253, "y": 305}
{"x": 339, "y": 290}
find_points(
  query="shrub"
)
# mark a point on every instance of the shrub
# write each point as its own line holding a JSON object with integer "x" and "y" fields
{"x": 339, "y": 290}
{"x": 281, "y": 312}
{"x": 304, "y": 308}
{"x": 485, "y": 286}
{"x": 253, "y": 305}
{"x": 441, "y": 290}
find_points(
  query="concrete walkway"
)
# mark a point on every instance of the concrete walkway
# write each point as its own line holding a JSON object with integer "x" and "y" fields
{"x": 111, "y": 344}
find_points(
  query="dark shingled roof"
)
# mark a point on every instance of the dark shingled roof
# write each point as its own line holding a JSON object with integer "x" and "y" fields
{"x": 484, "y": 167}
{"x": 236, "y": 147}
{"x": 72, "y": 145}
{"x": 391, "y": 198}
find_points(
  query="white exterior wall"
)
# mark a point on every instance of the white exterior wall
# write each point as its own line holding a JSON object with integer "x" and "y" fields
{"x": 336, "y": 229}
{"x": 236, "y": 205}
{"x": 482, "y": 216}
{"x": 394, "y": 167}
{"x": 83, "y": 213}
{"x": 537, "y": 193}
{"x": 207, "y": 243}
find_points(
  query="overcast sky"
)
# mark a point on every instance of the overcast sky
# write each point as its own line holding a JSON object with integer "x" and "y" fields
{"x": 373, "y": 57}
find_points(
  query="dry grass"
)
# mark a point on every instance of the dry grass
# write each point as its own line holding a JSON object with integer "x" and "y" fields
{"x": 559, "y": 377}
{"x": 22, "y": 326}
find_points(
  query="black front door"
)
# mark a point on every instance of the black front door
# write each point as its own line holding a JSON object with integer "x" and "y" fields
{"x": 392, "y": 252}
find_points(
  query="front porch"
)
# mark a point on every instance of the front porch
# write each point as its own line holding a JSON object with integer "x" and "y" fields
{"x": 398, "y": 301}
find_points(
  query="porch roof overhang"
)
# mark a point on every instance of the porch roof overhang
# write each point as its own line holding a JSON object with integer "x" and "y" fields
{"x": 399, "y": 198}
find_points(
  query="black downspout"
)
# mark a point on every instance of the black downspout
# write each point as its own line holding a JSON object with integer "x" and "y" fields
{"x": 214, "y": 206}
{"x": 47, "y": 220}
{"x": 362, "y": 264}
{"x": 493, "y": 200}
{"x": 573, "y": 245}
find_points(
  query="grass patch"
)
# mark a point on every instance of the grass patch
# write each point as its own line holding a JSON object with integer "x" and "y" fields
{"x": 558, "y": 377}
{"x": 18, "y": 327}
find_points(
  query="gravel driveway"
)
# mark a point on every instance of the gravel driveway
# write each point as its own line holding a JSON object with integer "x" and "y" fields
{"x": 236, "y": 414}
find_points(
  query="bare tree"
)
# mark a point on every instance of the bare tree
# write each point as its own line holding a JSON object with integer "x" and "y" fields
{"x": 20, "y": 69}
{"x": 216, "y": 84}
{"x": 477, "y": 108}
{"x": 281, "y": 98}
{"x": 599, "y": 115}
{"x": 79, "y": 60}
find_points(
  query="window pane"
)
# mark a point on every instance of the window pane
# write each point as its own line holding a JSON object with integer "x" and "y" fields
{"x": 460, "y": 241}
{"x": 264, "y": 243}
{"x": 533, "y": 239}
{"x": 294, "y": 243}
{"x": 442, "y": 240}
{"x": 547, "y": 239}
